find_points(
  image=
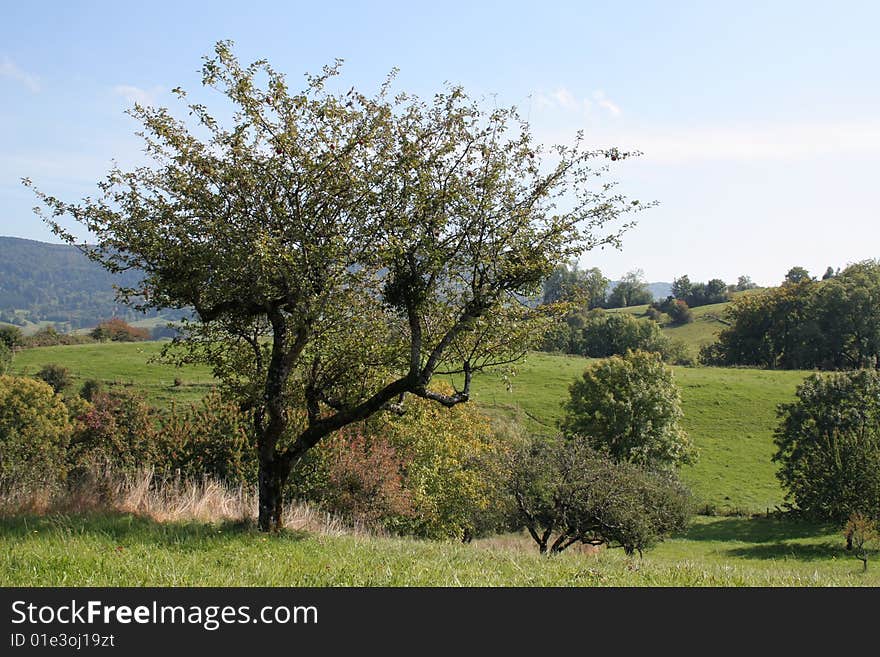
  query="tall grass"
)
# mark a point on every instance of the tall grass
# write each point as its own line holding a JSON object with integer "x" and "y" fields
{"x": 163, "y": 500}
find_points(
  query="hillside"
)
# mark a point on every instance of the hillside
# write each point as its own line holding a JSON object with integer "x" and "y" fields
{"x": 44, "y": 283}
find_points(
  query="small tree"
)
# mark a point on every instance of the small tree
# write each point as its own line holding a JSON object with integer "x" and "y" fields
{"x": 861, "y": 533}
{"x": 341, "y": 250}
{"x": 629, "y": 407}
{"x": 564, "y": 492}
{"x": 631, "y": 290}
{"x": 828, "y": 446}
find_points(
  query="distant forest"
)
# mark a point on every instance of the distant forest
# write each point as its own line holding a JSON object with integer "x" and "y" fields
{"x": 57, "y": 283}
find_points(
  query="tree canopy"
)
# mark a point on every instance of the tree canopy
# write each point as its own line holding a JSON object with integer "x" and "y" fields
{"x": 341, "y": 250}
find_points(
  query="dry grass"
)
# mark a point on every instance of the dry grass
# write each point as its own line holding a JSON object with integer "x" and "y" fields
{"x": 163, "y": 500}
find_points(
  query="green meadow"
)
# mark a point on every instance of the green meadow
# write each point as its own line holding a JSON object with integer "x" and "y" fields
{"x": 730, "y": 415}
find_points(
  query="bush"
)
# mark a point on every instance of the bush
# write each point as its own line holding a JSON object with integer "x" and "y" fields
{"x": 34, "y": 432}
{"x": 212, "y": 438}
{"x": 49, "y": 337}
{"x": 446, "y": 458}
{"x": 118, "y": 430}
{"x": 11, "y": 336}
{"x": 828, "y": 446}
{"x": 5, "y": 358}
{"x": 563, "y": 492}
{"x": 90, "y": 388}
{"x": 630, "y": 408}
{"x": 679, "y": 313}
{"x": 118, "y": 330}
{"x": 57, "y": 376}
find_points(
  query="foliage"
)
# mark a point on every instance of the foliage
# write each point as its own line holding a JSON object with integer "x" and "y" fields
{"x": 631, "y": 290}
{"x": 744, "y": 283}
{"x": 584, "y": 287}
{"x": 828, "y": 446}
{"x": 211, "y": 438}
{"x": 50, "y": 337}
{"x": 797, "y": 275}
{"x": 564, "y": 492}
{"x": 630, "y": 407}
{"x": 118, "y": 330}
{"x": 5, "y": 358}
{"x": 861, "y": 534}
{"x": 701, "y": 294}
{"x": 830, "y": 324}
{"x": 34, "y": 431}
{"x": 338, "y": 248}
{"x": 11, "y": 336}
{"x": 118, "y": 430}
{"x": 57, "y": 376}
{"x": 431, "y": 472}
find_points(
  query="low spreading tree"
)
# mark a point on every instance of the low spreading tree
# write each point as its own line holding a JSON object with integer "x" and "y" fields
{"x": 340, "y": 251}
{"x": 564, "y": 492}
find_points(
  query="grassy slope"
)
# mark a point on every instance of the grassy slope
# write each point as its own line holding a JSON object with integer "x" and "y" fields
{"x": 124, "y": 550}
{"x": 121, "y": 363}
{"x": 729, "y": 413}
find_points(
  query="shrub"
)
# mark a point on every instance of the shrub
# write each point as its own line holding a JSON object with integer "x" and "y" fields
{"x": 90, "y": 388}
{"x": 861, "y": 534}
{"x": 365, "y": 479}
{"x": 5, "y": 358}
{"x": 828, "y": 446}
{"x": 447, "y": 463}
{"x": 118, "y": 330}
{"x": 118, "y": 430}
{"x": 34, "y": 431}
{"x": 57, "y": 376}
{"x": 563, "y": 492}
{"x": 211, "y": 438}
{"x": 679, "y": 313}
{"x": 11, "y": 336}
{"x": 629, "y": 407}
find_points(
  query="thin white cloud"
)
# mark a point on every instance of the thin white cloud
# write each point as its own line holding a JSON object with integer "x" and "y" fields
{"x": 605, "y": 103}
{"x": 138, "y": 95}
{"x": 563, "y": 99}
{"x": 751, "y": 143}
{"x": 8, "y": 69}
{"x": 679, "y": 144}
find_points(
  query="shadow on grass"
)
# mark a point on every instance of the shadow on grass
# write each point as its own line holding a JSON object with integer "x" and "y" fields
{"x": 755, "y": 530}
{"x": 796, "y": 551}
{"x": 124, "y": 527}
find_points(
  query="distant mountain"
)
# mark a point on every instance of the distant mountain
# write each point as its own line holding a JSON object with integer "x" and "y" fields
{"x": 659, "y": 290}
{"x": 56, "y": 283}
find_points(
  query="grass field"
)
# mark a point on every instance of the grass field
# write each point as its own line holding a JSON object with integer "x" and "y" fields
{"x": 728, "y": 413}
{"x": 122, "y": 363}
{"x": 127, "y": 550}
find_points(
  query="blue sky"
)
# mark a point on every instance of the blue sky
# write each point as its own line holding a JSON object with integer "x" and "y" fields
{"x": 760, "y": 121}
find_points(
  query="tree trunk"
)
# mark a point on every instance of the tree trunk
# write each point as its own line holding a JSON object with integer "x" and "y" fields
{"x": 272, "y": 478}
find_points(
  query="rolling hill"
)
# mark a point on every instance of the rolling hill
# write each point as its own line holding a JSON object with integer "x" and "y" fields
{"x": 43, "y": 283}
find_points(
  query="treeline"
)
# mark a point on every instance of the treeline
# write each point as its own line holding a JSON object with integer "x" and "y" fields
{"x": 587, "y": 330}
{"x": 829, "y": 324}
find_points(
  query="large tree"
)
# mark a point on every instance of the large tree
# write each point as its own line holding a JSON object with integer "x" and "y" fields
{"x": 341, "y": 251}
